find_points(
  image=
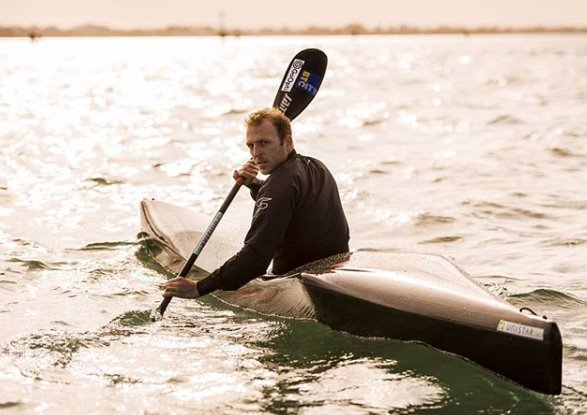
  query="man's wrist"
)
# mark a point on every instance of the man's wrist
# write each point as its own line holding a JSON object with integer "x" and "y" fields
{"x": 196, "y": 292}
{"x": 207, "y": 285}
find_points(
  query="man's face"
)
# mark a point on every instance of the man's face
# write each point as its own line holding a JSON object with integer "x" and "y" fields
{"x": 265, "y": 147}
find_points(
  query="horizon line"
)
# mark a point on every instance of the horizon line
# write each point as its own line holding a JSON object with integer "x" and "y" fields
{"x": 34, "y": 31}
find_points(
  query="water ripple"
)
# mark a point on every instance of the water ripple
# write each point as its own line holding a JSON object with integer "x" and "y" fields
{"x": 505, "y": 119}
{"x": 563, "y": 152}
{"x": 101, "y": 181}
{"x": 566, "y": 242}
{"x": 427, "y": 219}
{"x": 108, "y": 246}
{"x": 10, "y": 404}
{"x": 35, "y": 265}
{"x": 548, "y": 297}
{"x": 442, "y": 240}
{"x": 506, "y": 212}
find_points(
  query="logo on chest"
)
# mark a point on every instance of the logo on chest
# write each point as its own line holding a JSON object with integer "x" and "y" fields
{"x": 263, "y": 203}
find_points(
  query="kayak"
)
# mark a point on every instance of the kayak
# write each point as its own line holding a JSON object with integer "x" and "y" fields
{"x": 404, "y": 296}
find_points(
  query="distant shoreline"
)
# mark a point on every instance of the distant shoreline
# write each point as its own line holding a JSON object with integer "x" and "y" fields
{"x": 34, "y": 32}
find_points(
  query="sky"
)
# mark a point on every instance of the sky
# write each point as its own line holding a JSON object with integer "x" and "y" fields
{"x": 251, "y": 14}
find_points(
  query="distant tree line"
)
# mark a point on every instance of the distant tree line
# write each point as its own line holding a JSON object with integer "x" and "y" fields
{"x": 351, "y": 29}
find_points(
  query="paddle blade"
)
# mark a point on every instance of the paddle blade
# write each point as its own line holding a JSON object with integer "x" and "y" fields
{"x": 301, "y": 82}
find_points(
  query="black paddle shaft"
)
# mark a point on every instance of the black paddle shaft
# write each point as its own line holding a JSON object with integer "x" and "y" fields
{"x": 298, "y": 88}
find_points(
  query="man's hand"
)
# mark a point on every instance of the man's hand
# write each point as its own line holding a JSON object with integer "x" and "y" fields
{"x": 181, "y": 287}
{"x": 248, "y": 172}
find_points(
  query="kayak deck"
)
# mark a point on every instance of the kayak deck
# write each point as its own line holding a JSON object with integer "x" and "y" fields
{"x": 409, "y": 296}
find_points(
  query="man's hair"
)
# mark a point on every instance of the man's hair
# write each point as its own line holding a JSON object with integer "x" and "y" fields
{"x": 280, "y": 122}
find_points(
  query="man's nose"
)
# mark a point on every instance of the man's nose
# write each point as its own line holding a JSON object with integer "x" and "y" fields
{"x": 255, "y": 150}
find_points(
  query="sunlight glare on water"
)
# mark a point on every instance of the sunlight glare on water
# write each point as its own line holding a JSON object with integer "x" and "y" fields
{"x": 473, "y": 147}
{"x": 363, "y": 385}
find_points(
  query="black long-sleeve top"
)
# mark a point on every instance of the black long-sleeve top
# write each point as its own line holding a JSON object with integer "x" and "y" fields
{"x": 298, "y": 218}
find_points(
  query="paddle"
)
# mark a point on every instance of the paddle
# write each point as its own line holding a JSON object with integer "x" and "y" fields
{"x": 298, "y": 88}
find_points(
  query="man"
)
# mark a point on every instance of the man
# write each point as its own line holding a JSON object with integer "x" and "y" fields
{"x": 298, "y": 216}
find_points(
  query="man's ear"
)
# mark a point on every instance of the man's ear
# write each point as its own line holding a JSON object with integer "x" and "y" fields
{"x": 288, "y": 142}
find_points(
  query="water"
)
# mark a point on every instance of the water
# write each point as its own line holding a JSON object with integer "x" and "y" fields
{"x": 471, "y": 147}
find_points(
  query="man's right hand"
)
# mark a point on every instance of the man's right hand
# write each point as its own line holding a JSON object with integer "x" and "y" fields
{"x": 248, "y": 172}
